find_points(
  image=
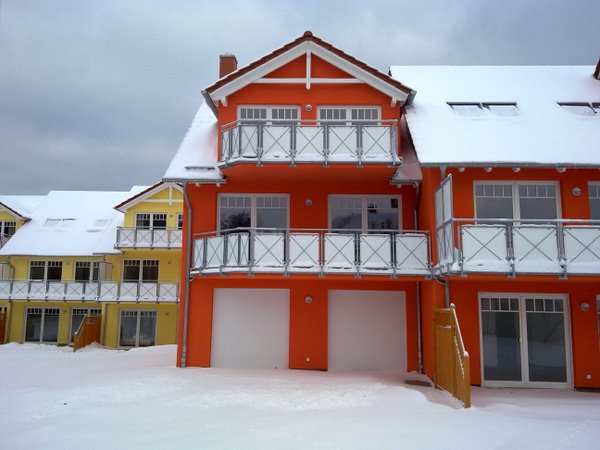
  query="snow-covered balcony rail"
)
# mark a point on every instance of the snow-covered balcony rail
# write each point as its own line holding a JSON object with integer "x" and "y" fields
{"x": 562, "y": 246}
{"x": 148, "y": 238}
{"x": 105, "y": 291}
{"x": 367, "y": 142}
{"x": 317, "y": 251}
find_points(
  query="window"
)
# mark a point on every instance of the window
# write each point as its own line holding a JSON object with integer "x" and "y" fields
{"x": 140, "y": 270}
{"x": 41, "y": 325}
{"x": 506, "y": 200}
{"x": 594, "y": 193}
{"x": 256, "y": 211}
{"x": 268, "y": 113}
{"x": 151, "y": 220}
{"x": 77, "y": 315}
{"x": 581, "y": 108}
{"x": 179, "y": 221}
{"x": 503, "y": 109}
{"x": 352, "y": 212}
{"x": 343, "y": 115}
{"x": 87, "y": 271}
{"x": 45, "y": 270}
{"x": 138, "y": 328}
{"x": 7, "y": 228}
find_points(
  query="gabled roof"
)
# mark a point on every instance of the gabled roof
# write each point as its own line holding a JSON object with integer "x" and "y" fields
{"x": 307, "y": 43}
{"x": 541, "y": 133}
{"x": 143, "y": 194}
{"x": 70, "y": 223}
{"x": 20, "y": 205}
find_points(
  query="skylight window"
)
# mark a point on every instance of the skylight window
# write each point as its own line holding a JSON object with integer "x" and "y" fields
{"x": 476, "y": 109}
{"x": 581, "y": 108}
{"x": 58, "y": 223}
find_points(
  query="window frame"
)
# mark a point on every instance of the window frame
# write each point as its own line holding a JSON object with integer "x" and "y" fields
{"x": 138, "y": 316}
{"x": 4, "y": 224}
{"x": 516, "y": 207}
{"x": 253, "y": 207}
{"x": 269, "y": 113}
{"x": 348, "y": 120}
{"x": 591, "y": 107}
{"x": 94, "y": 266}
{"x": 484, "y": 108}
{"x": 364, "y": 209}
{"x": 595, "y": 186}
{"x": 142, "y": 264}
{"x": 152, "y": 218}
{"x": 46, "y": 264}
{"x": 44, "y": 310}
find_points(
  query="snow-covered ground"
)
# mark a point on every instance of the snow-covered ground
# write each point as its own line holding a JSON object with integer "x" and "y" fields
{"x": 52, "y": 398}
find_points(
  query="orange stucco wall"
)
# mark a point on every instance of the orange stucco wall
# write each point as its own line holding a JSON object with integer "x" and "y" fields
{"x": 308, "y": 322}
{"x": 464, "y": 290}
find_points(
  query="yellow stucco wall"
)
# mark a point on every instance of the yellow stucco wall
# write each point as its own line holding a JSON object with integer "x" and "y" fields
{"x": 166, "y": 321}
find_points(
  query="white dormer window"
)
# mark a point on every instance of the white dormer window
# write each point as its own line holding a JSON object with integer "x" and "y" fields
{"x": 581, "y": 108}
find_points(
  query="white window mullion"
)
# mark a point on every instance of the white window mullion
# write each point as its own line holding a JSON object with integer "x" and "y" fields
{"x": 523, "y": 340}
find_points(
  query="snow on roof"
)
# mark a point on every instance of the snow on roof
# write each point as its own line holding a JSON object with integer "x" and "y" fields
{"x": 22, "y": 205}
{"x": 70, "y": 223}
{"x": 196, "y": 159}
{"x": 541, "y": 133}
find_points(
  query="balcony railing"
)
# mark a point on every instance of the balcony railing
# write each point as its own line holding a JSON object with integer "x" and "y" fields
{"x": 105, "y": 291}
{"x": 148, "y": 237}
{"x": 253, "y": 250}
{"x": 367, "y": 142}
{"x": 564, "y": 247}
{"x": 3, "y": 239}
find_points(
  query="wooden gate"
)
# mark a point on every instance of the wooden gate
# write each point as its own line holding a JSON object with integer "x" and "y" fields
{"x": 452, "y": 372}
{"x": 88, "y": 332}
{"x": 2, "y": 326}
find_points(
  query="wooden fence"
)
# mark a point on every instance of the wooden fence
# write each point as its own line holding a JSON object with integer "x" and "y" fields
{"x": 2, "y": 326}
{"x": 88, "y": 332}
{"x": 452, "y": 371}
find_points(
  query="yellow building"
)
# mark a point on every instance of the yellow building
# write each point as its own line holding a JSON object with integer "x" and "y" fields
{"x": 114, "y": 254}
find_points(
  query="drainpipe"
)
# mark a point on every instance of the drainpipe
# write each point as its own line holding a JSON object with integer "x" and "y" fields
{"x": 418, "y": 290}
{"x": 188, "y": 256}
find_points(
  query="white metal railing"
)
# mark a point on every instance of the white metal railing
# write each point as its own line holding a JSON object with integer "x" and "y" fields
{"x": 3, "y": 239}
{"x": 384, "y": 252}
{"x": 105, "y": 291}
{"x": 561, "y": 246}
{"x": 310, "y": 142}
{"x": 148, "y": 237}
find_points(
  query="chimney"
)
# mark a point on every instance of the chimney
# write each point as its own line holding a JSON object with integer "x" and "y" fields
{"x": 227, "y": 64}
{"x": 597, "y": 72}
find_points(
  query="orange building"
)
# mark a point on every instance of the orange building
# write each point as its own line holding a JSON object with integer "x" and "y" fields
{"x": 301, "y": 210}
{"x": 313, "y": 241}
{"x": 510, "y": 158}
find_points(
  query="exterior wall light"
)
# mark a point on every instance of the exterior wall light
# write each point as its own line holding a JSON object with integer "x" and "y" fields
{"x": 516, "y": 169}
{"x": 488, "y": 169}
{"x": 585, "y": 306}
{"x": 308, "y": 299}
{"x": 308, "y": 108}
{"x": 561, "y": 169}
{"x": 576, "y": 191}
{"x": 308, "y": 202}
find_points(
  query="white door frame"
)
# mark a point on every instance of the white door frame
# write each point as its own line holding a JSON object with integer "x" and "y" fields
{"x": 523, "y": 342}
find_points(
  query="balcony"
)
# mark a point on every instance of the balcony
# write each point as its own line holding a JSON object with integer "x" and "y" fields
{"x": 562, "y": 247}
{"x": 312, "y": 251}
{"x": 148, "y": 238}
{"x": 310, "y": 142}
{"x": 104, "y": 291}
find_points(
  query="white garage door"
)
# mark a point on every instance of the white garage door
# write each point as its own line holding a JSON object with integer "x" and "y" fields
{"x": 367, "y": 330}
{"x": 250, "y": 328}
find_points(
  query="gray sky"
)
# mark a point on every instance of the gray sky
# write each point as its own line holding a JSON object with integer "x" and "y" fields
{"x": 97, "y": 94}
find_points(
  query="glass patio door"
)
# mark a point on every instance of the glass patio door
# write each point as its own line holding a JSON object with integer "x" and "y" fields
{"x": 524, "y": 339}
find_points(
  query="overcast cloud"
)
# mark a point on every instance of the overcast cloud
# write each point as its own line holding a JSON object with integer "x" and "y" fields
{"x": 98, "y": 94}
